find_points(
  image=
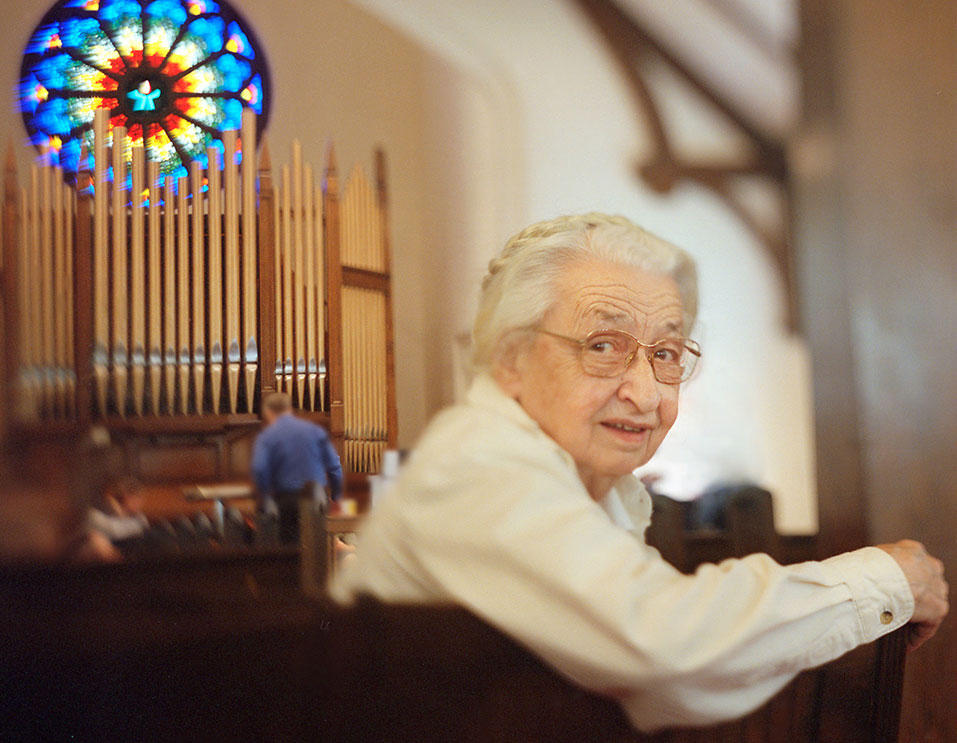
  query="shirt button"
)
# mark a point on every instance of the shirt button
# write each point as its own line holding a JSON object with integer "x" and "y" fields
{"x": 886, "y": 617}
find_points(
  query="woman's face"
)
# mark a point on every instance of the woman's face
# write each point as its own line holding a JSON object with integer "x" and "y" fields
{"x": 610, "y": 425}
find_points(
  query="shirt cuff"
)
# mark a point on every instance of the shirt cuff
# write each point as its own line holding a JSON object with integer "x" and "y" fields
{"x": 878, "y": 587}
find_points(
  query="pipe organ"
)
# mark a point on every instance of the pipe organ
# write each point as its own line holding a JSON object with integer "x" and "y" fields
{"x": 156, "y": 307}
{"x": 367, "y": 313}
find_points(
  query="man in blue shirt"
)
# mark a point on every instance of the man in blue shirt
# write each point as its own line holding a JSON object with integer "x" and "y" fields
{"x": 289, "y": 453}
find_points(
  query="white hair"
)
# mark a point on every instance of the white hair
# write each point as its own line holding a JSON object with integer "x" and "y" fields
{"x": 520, "y": 286}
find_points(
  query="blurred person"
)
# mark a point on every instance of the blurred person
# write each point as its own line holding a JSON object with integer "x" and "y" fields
{"x": 119, "y": 517}
{"x": 45, "y": 499}
{"x": 289, "y": 453}
{"x": 520, "y": 503}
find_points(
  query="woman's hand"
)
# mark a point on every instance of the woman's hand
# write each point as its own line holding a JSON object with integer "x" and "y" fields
{"x": 925, "y": 574}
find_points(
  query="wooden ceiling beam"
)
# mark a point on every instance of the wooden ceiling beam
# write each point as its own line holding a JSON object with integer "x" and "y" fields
{"x": 629, "y": 42}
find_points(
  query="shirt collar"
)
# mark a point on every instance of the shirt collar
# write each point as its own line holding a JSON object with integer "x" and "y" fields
{"x": 486, "y": 393}
{"x": 615, "y": 509}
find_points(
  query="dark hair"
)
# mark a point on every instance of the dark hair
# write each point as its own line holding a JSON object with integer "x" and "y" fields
{"x": 277, "y": 402}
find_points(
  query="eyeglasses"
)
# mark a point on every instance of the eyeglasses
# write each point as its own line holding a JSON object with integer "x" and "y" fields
{"x": 609, "y": 353}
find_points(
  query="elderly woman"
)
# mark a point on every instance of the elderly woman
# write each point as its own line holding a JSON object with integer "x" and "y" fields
{"x": 520, "y": 504}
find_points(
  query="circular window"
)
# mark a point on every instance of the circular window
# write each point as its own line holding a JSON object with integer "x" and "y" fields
{"x": 176, "y": 73}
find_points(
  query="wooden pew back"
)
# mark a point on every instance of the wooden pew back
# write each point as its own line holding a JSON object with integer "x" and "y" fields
{"x": 225, "y": 647}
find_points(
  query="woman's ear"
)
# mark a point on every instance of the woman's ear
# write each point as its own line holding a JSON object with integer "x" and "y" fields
{"x": 507, "y": 365}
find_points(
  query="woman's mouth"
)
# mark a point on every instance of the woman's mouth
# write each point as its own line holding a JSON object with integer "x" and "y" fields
{"x": 627, "y": 431}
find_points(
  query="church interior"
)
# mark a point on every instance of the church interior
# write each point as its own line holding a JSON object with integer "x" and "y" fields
{"x": 364, "y": 160}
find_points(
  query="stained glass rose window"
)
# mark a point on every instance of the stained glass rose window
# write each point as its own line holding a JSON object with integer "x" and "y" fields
{"x": 176, "y": 73}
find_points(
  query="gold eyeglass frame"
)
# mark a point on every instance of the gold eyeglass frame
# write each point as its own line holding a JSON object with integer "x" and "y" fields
{"x": 689, "y": 344}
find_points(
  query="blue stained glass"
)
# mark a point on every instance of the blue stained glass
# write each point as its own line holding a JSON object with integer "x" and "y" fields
{"x": 52, "y": 117}
{"x": 116, "y": 11}
{"x": 204, "y": 6}
{"x": 238, "y": 38}
{"x": 234, "y": 71}
{"x": 170, "y": 10}
{"x": 234, "y": 114}
{"x": 70, "y": 156}
{"x": 54, "y": 72}
{"x": 177, "y": 173}
{"x": 40, "y": 41}
{"x": 255, "y": 102}
{"x": 210, "y": 30}
{"x": 202, "y": 157}
{"x": 28, "y": 98}
{"x": 80, "y": 32}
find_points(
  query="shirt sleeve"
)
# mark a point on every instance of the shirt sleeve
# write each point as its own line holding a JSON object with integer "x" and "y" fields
{"x": 260, "y": 465}
{"x": 332, "y": 464}
{"x": 548, "y": 568}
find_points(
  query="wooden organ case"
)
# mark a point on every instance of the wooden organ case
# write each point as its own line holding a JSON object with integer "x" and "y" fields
{"x": 166, "y": 310}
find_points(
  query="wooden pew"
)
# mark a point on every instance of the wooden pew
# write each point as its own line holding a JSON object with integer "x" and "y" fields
{"x": 225, "y": 647}
{"x": 855, "y": 698}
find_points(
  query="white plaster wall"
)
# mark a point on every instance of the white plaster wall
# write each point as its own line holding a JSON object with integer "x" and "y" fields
{"x": 561, "y": 114}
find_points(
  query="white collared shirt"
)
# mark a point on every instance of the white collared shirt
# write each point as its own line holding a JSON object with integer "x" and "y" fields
{"x": 489, "y": 513}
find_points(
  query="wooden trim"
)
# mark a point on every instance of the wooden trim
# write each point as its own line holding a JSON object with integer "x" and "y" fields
{"x": 361, "y": 278}
{"x": 83, "y": 299}
{"x": 825, "y": 318}
{"x": 193, "y": 424}
{"x": 333, "y": 300}
{"x": 267, "y": 287}
{"x": 392, "y": 414}
{"x": 888, "y": 685}
{"x": 10, "y": 275}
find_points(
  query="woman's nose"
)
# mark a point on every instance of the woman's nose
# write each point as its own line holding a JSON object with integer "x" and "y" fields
{"x": 639, "y": 385}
